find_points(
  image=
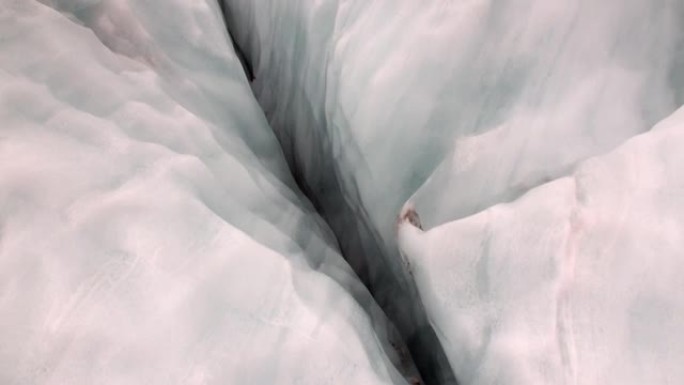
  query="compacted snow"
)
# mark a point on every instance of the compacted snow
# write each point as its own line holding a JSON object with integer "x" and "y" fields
{"x": 150, "y": 231}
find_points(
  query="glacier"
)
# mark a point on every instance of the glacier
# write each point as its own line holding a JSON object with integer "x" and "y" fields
{"x": 326, "y": 191}
{"x": 150, "y": 230}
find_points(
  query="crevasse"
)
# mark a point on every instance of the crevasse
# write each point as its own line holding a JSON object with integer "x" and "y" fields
{"x": 465, "y": 109}
{"x": 406, "y": 192}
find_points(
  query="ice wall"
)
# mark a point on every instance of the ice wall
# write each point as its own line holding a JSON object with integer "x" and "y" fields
{"x": 454, "y": 105}
{"x": 150, "y": 231}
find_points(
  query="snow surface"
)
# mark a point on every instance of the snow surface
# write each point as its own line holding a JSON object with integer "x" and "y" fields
{"x": 150, "y": 231}
{"x": 461, "y": 106}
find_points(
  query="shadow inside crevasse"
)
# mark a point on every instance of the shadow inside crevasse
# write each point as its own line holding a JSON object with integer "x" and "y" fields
{"x": 318, "y": 177}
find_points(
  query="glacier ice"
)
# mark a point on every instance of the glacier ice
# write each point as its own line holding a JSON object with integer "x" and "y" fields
{"x": 150, "y": 231}
{"x": 461, "y": 106}
{"x": 576, "y": 282}
{"x": 519, "y": 90}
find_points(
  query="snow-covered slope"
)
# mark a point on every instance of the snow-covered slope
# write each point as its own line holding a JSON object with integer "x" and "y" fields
{"x": 579, "y": 281}
{"x": 150, "y": 231}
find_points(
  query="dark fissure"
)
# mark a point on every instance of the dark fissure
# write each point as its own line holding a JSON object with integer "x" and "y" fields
{"x": 359, "y": 242}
